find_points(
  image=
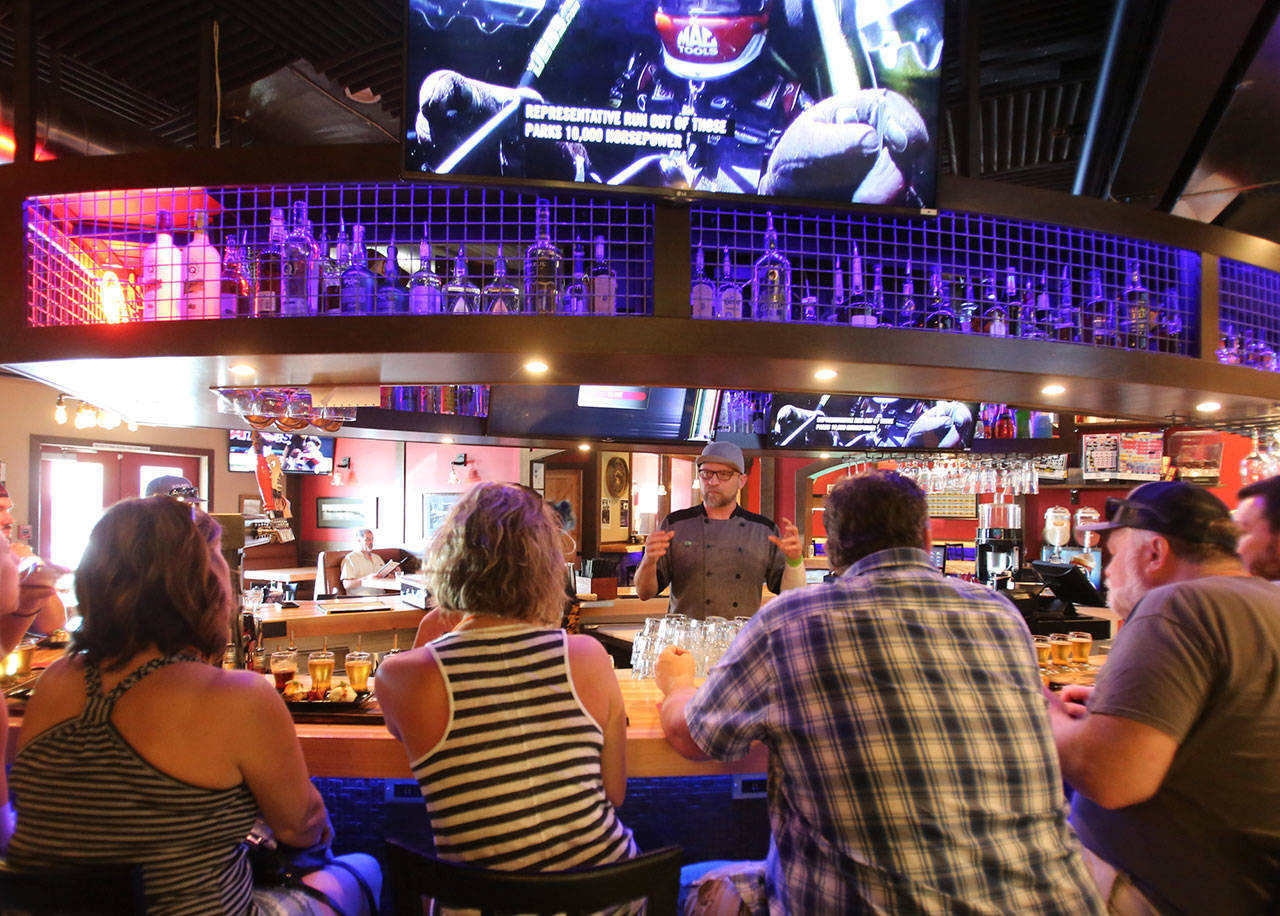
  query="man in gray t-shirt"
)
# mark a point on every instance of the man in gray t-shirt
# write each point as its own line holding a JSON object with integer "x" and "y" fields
{"x": 1176, "y": 761}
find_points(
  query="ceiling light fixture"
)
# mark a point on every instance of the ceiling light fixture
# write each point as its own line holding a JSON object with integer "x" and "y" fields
{"x": 1208, "y": 407}
{"x": 584, "y": 446}
{"x": 243, "y": 370}
{"x": 1053, "y": 390}
{"x": 536, "y": 367}
{"x": 60, "y": 410}
{"x": 825, "y": 375}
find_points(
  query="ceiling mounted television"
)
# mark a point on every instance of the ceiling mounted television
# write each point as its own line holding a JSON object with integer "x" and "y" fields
{"x": 826, "y": 100}
{"x": 614, "y": 412}
{"x": 298, "y": 453}
{"x": 813, "y": 421}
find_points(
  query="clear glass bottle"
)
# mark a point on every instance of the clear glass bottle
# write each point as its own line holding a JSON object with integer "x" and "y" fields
{"x": 808, "y": 301}
{"x": 358, "y": 282}
{"x": 995, "y": 316}
{"x": 461, "y": 296}
{"x": 391, "y": 299}
{"x": 1066, "y": 317}
{"x": 602, "y": 285}
{"x": 859, "y": 308}
{"x": 236, "y": 283}
{"x": 908, "y": 313}
{"x": 542, "y": 266}
{"x": 201, "y": 292}
{"x": 1038, "y": 323}
{"x": 329, "y": 295}
{"x": 1136, "y": 305}
{"x": 702, "y": 292}
{"x": 969, "y": 318}
{"x": 268, "y": 275}
{"x": 771, "y": 280}
{"x": 1013, "y": 301}
{"x": 574, "y": 301}
{"x": 941, "y": 317}
{"x": 877, "y": 297}
{"x": 426, "y": 289}
{"x": 296, "y": 266}
{"x": 728, "y": 292}
{"x": 839, "y": 311}
{"x": 161, "y": 277}
{"x": 1099, "y": 322}
{"x": 501, "y": 296}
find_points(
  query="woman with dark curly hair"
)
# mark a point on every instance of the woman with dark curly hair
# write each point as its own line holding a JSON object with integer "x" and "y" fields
{"x": 515, "y": 729}
{"x": 134, "y": 748}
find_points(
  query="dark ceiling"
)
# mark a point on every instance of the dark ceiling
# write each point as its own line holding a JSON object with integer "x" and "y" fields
{"x": 1175, "y": 116}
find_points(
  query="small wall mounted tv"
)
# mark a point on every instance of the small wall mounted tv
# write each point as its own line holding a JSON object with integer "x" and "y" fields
{"x": 808, "y": 100}
{"x": 299, "y": 453}
{"x": 859, "y": 422}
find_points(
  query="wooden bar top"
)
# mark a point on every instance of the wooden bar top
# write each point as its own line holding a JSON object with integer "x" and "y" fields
{"x": 330, "y": 617}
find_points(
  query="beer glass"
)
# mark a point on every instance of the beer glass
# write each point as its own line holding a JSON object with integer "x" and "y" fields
{"x": 359, "y": 665}
{"x": 1044, "y": 651}
{"x": 320, "y": 667}
{"x": 284, "y": 667}
{"x": 1081, "y": 643}
{"x": 1060, "y": 649}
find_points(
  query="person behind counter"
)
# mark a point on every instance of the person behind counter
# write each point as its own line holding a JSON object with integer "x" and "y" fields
{"x": 514, "y": 729}
{"x": 1176, "y": 758}
{"x": 716, "y": 556}
{"x": 134, "y": 748}
{"x": 359, "y": 563}
{"x": 911, "y": 767}
{"x": 1258, "y": 516}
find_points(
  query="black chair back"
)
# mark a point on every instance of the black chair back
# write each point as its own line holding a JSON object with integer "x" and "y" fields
{"x": 412, "y": 874}
{"x": 97, "y": 890}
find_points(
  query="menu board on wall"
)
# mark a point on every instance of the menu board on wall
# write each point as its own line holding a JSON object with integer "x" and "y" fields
{"x": 1121, "y": 456}
{"x": 1099, "y": 456}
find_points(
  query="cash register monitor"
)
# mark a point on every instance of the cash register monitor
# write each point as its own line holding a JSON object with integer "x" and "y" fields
{"x": 1069, "y": 583}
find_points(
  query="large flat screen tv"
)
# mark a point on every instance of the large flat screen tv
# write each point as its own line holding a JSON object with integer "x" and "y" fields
{"x": 813, "y": 421}
{"x": 829, "y": 100}
{"x": 299, "y": 454}
{"x": 618, "y": 412}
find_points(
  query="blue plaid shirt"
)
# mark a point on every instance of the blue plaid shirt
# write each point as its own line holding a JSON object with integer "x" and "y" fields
{"x": 911, "y": 766}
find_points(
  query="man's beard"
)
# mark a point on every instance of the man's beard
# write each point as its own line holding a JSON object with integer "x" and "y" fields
{"x": 1268, "y": 566}
{"x": 719, "y": 499}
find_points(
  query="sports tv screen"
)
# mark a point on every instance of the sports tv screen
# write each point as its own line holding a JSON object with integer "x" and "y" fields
{"x": 299, "y": 454}
{"x": 812, "y": 421}
{"x": 829, "y": 100}
{"x": 622, "y": 412}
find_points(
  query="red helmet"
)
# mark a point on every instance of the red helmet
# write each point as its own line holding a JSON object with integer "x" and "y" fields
{"x": 708, "y": 39}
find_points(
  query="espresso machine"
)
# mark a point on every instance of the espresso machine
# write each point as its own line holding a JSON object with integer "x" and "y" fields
{"x": 999, "y": 543}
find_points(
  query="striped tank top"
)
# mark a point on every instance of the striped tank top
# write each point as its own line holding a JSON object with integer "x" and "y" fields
{"x": 84, "y": 796}
{"x": 515, "y": 781}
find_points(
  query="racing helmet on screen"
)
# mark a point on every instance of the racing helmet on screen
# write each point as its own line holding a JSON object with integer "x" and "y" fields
{"x": 710, "y": 39}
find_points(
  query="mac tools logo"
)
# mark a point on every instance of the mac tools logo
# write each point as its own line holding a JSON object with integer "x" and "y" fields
{"x": 697, "y": 41}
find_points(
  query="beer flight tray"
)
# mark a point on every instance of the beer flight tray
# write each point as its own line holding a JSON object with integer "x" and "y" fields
{"x": 363, "y": 710}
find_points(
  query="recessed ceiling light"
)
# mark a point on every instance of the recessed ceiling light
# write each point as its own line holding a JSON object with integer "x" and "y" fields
{"x": 536, "y": 366}
{"x": 447, "y": 440}
{"x": 584, "y": 447}
{"x": 824, "y": 454}
{"x": 242, "y": 369}
{"x": 825, "y": 375}
{"x": 1208, "y": 406}
{"x": 1054, "y": 390}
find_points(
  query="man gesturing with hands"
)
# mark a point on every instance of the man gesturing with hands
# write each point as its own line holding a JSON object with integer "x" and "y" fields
{"x": 716, "y": 556}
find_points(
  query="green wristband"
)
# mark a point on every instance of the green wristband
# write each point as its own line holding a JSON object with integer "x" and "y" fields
{"x": 798, "y": 561}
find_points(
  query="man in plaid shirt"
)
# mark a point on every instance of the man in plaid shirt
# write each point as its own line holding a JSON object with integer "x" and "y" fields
{"x": 911, "y": 766}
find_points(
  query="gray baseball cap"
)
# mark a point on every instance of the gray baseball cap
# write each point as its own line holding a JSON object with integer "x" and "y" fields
{"x": 723, "y": 453}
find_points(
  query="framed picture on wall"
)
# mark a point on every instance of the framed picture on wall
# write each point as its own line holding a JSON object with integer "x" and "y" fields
{"x": 435, "y": 508}
{"x": 604, "y": 513}
{"x": 624, "y": 513}
{"x": 343, "y": 512}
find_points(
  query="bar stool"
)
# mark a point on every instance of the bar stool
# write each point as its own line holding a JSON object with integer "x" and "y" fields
{"x": 412, "y": 874}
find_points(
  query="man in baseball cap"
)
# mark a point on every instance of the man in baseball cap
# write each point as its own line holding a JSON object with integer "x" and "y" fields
{"x": 178, "y": 487}
{"x": 1175, "y": 755}
{"x": 715, "y": 556}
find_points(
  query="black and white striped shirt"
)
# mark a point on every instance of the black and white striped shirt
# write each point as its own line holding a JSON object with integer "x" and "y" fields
{"x": 515, "y": 781}
{"x": 85, "y": 796}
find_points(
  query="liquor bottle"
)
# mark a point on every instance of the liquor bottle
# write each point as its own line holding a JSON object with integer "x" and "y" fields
{"x": 269, "y": 266}
{"x": 574, "y": 301}
{"x": 969, "y": 319}
{"x": 1005, "y": 426}
{"x": 296, "y": 266}
{"x": 501, "y": 296}
{"x": 461, "y": 296}
{"x": 1039, "y": 320}
{"x": 1229, "y": 351}
{"x": 860, "y": 310}
{"x": 236, "y": 283}
{"x": 358, "y": 282}
{"x": 1098, "y": 324}
{"x": 941, "y": 317}
{"x": 202, "y": 291}
{"x": 426, "y": 289}
{"x": 995, "y": 316}
{"x": 602, "y": 286}
{"x": 1136, "y": 305}
{"x": 161, "y": 279}
{"x": 542, "y": 266}
{"x": 839, "y": 311}
{"x": 1065, "y": 318}
{"x": 908, "y": 314}
{"x": 877, "y": 297}
{"x": 702, "y": 292}
{"x": 808, "y": 301}
{"x": 728, "y": 293}
{"x": 329, "y": 293}
{"x": 1168, "y": 331}
{"x": 771, "y": 280}
{"x": 1013, "y": 304}
{"x": 391, "y": 298}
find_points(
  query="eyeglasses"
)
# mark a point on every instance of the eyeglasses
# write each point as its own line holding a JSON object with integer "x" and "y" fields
{"x": 1130, "y": 514}
{"x": 722, "y": 476}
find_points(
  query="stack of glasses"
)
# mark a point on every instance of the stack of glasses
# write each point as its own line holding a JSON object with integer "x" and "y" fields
{"x": 706, "y": 640}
